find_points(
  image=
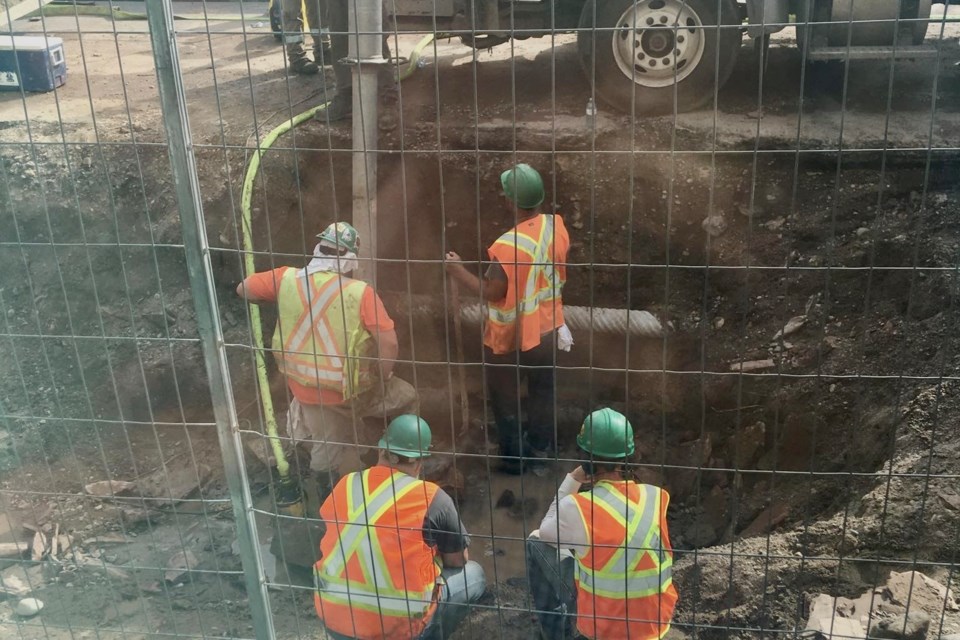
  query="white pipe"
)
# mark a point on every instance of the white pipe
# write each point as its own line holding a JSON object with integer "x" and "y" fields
{"x": 597, "y": 319}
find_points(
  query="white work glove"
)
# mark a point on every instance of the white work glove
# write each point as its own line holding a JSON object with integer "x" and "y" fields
{"x": 564, "y": 338}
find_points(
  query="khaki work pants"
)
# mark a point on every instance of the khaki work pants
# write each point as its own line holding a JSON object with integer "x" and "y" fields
{"x": 333, "y": 430}
{"x": 292, "y": 21}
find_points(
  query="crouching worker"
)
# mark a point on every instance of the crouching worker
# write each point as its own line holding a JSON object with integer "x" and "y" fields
{"x": 603, "y": 557}
{"x": 394, "y": 560}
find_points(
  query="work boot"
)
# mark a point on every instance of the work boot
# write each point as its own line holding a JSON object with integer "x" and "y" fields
{"x": 340, "y": 108}
{"x": 303, "y": 66}
{"x": 323, "y": 55}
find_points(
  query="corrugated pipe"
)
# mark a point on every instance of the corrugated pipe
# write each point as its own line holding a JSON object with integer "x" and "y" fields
{"x": 634, "y": 322}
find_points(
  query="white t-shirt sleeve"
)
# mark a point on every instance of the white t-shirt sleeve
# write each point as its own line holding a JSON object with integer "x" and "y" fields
{"x": 562, "y": 525}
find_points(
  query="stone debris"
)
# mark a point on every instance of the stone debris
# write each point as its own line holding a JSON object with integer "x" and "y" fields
{"x": 714, "y": 225}
{"x": 110, "y": 488}
{"x": 883, "y": 610}
{"x": 793, "y": 325}
{"x": 12, "y": 549}
{"x": 909, "y": 626}
{"x": 39, "y": 546}
{"x": 28, "y": 607}
{"x": 752, "y": 365}
{"x": 767, "y": 520}
{"x": 18, "y": 581}
{"x": 179, "y": 565}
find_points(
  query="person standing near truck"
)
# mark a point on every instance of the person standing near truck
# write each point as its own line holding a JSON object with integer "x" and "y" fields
{"x": 523, "y": 289}
{"x": 292, "y": 13}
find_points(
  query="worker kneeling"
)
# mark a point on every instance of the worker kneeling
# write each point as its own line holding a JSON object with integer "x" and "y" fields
{"x": 394, "y": 560}
{"x": 603, "y": 556}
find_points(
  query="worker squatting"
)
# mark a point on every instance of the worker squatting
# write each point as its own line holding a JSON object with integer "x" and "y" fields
{"x": 393, "y": 558}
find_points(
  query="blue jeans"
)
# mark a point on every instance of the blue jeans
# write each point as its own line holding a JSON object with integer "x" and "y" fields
{"x": 553, "y": 588}
{"x": 461, "y": 588}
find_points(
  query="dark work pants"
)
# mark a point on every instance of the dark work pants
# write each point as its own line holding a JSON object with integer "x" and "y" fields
{"x": 338, "y": 12}
{"x": 504, "y": 375}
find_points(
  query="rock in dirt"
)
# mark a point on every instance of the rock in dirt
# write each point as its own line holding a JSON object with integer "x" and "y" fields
{"x": 767, "y": 520}
{"x": 748, "y": 443}
{"x": 714, "y": 225}
{"x": 179, "y": 565}
{"x": 175, "y": 482}
{"x": 909, "y": 626}
{"x": 525, "y": 509}
{"x": 29, "y": 607}
{"x": 752, "y": 365}
{"x": 12, "y": 549}
{"x": 110, "y": 488}
{"x": 19, "y": 581}
{"x": 506, "y": 500}
{"x": 793, "y": 325}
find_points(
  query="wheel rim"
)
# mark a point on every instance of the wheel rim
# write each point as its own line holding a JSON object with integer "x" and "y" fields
{"x": 658, "y": 42}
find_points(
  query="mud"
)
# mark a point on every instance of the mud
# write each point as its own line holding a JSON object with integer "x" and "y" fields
{"x": 862, "y": 245}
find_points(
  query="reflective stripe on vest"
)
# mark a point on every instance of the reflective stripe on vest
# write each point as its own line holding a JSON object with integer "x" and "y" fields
{"x": 620, "y": 576}
{"x": 536, "y": 249}
{"x": 319, "y": 332}
{"x": 358, "y": 541}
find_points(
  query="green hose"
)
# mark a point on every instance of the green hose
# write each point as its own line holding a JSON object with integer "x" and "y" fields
{"x": 266, "y": 399}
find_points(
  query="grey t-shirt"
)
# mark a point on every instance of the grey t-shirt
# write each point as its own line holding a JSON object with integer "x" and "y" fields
{"x": 442, "y": 526}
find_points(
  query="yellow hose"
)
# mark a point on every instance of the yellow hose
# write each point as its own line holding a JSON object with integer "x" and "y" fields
{"x": 266, "y": 399}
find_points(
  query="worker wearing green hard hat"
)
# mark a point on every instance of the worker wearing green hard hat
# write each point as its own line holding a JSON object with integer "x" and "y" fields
{"x": 606, "y": 434}
{"x": 337, "y": 346}
{"x": 524, "y": 328}
{"x": 523, "y": 186}
{"x": 407, "y": 436}
{"x": 617, "y": 595}
{"x": 420, "y": 548}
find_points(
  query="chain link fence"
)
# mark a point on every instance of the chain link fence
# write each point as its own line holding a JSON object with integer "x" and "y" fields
{"x": 761, "y": 275}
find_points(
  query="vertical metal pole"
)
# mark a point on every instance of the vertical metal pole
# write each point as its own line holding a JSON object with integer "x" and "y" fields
{"x": 197, "y": 253}
{"x": 366, "y": 50}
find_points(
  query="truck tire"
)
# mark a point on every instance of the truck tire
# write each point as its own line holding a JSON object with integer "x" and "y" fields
{"x": 649, "y": 55}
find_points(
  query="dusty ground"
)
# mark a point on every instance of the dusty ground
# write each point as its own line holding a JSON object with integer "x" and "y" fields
{"x": 862, "y": 245}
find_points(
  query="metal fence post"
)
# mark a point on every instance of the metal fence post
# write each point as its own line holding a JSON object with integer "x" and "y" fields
{"x": 183, "y": 166}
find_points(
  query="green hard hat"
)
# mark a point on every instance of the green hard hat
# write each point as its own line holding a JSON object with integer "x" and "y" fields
{"x": 606, "y": 434}
{"x": 523, "y": 185}
{"x": 408, "y": 436}
{"x": 342, "y": 236}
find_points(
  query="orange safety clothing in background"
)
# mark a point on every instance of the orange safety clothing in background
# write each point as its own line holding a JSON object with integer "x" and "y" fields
{"x": 265, "y": 286}
{"x": 625, "y": 580}
{"x": 377, "y": 577}
{"x": 533, "y": 256}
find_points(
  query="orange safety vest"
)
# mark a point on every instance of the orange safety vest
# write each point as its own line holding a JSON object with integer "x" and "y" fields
{"x": 533, "y": 255}
{"x": 319, "y": 339}
{"x": 625, "y": 581}
{"x": 377, "y": 577}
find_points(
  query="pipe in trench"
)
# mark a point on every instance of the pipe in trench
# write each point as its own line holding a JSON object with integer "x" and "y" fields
{"x": 636, "y": 323}
{"x": 600, "y": 320}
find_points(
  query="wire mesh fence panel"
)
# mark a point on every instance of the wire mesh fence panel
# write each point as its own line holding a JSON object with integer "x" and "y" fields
{"x": 474, "y": 319}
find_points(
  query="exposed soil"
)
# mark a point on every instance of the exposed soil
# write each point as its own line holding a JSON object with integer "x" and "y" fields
{"x": 862, "y": 245}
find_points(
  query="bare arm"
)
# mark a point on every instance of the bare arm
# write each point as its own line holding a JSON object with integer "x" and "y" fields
{"x": 388, "y": 347}
{"x": 491, "y": 289}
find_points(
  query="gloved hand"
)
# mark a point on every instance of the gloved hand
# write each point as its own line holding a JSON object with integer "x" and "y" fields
{"x": 564, "y": 338}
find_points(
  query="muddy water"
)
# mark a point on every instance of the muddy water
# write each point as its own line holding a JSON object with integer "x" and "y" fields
{"x": 499, "y": 532}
